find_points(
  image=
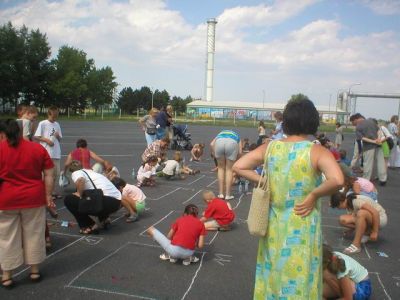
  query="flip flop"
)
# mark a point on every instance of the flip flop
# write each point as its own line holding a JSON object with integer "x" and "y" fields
{"x": 7, "y": 286}
{"x": 35, "y": 277}
{"x": 352, "y": 250}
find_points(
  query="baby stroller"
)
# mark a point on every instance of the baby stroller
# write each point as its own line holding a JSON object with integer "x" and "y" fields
{"x": 182, "y": 139}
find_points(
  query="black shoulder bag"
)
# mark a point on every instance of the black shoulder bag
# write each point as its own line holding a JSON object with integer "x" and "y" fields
{"x": 91, "y": 202}
{"x": 389, "y": 140}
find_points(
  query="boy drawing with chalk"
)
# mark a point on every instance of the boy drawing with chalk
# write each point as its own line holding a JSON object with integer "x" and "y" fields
{"x": 218, "y": 214}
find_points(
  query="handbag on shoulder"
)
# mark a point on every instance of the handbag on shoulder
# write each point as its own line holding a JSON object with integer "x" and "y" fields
{"x": 91, "y": 202}
{"x": 257, "y": 220}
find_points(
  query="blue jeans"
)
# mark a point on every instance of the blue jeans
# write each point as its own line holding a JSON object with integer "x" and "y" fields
{"x": 150, "y": 138}
{"x": 160, "y": 133}
{"x": 172, "y": 250}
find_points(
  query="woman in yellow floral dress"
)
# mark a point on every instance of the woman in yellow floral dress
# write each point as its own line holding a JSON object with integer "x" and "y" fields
{"x": 289, "y": 257}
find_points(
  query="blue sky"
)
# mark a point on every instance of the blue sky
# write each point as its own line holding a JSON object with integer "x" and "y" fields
{"x": 283, "y": 47}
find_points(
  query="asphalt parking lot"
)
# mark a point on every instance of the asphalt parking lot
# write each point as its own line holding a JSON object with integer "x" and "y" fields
{"x": 123, "y": 262}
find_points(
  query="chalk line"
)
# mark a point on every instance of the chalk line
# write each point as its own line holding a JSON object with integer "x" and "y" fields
{"x": 366, "y": 251}
{"x": 212, "y": 183}
{"x": 61, "y": 208}
{"x": 202, "y": 176}
{"x": 240, "y": 200}
{"x": 191, "y": 197}
{"x": 52, "y": 254}
{"x": 332, "y": 226}
{"x": 212, "y": 240}
{"x": 110, "y": 292}
{"x": 167, "y": 194}
{"x": 194, "y": 277}
{"x": 95, "y": 264}
{"x": 110, "y": 155}
{"x": 159, "y": 221}
{"x": 381, "y": 283}
{"x": 66, "y": 234}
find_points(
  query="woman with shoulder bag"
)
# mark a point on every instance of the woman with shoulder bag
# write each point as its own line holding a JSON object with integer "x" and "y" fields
{"x": 290, "y": 253}
{"x": 149, "y": 125}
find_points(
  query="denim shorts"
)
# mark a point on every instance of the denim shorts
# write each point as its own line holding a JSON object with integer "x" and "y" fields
{"x": 363, "y": 290}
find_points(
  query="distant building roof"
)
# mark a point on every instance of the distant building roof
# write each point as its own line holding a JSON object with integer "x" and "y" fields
{"x": 256, "y": 105}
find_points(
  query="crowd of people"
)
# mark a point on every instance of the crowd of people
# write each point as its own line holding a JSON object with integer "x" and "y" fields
{"x": 301, "y": 171}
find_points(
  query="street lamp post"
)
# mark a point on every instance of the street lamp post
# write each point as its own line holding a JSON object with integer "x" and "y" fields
{"x": 152, "y": 98}
{"x": 355, "y": 99}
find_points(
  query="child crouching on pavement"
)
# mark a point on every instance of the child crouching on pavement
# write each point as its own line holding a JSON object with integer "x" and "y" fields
{"x": 219, "y": 211}
{"x": 366, "y": 219}
{"x": 344, "y": 277}
{"x": 133, "y": 199}
{"x": 174, "y": 168}
{"x": 146, "y": 172}
{"x": 187, "y": 232}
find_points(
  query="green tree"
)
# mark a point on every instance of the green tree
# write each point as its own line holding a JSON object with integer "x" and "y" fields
{"x": 101, "y": 86}
{"x": 298, "y": 97}
{"x": 37, "y": 67}
{"x": 69, "y": 84}
{"x": 126, "y": 100}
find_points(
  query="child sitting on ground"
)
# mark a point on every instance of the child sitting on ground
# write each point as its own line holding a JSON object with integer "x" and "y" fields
{"x": 343, "y": 157}
{"x": 174, "y": 168}
{"x": 133, "y": 199}
{"x": 344, "y": 277}
{"x": 246, "y": 145}
{"x": 146, "y": 172}
{"x": 219, "y": 211}
{"x": 197, "y": 152}
{"x": 185, "y": 233}
{"x": 360, "y": 185}
{"x": 367, "y": 218}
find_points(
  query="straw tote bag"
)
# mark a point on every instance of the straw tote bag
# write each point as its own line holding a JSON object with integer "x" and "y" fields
{"x": 257, "y": 220}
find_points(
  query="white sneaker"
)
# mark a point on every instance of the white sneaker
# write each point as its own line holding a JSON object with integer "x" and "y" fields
{"x": 165, "y": 256}
{"x": 173, "y": 260}
{"x": 189, "y": 260}
{"x": 221, "y": 196}
{"x": 229, "y": 197}
{"x": 364, "y": 239}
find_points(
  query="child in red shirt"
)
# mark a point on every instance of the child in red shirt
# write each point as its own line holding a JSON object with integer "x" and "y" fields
{"x": 219, "y": 210}
{"x": 185, "y": 233}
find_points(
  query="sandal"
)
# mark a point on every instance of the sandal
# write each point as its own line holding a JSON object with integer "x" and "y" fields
{"x": 89, "y": 230}
{"x": 35, "y": 277}
{"x": 352, "y": 250}
{"x": 7, "y": 286}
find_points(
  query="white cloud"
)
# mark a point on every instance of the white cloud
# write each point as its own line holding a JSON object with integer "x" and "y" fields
{"x": 145, "y": 41}
{"x": 383, "y": 7}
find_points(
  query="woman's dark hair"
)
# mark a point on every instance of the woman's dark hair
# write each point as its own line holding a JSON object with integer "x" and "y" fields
{"x": 150, "y": 159}
{"x": 394, "y": 118}
{"x": 81, "y": 143}
{"x": 118, "y": 182}
{"x": 191, "y": 209}
{"x": 349, "y": 200}
{"x": 336, "y": 199}
{"x": 300, "y": 117}
{"x": 338, "y": 124}
{"x": 12, "y": 131}
{"x": 261, "y": 124}
{"x": 330, "y": 261}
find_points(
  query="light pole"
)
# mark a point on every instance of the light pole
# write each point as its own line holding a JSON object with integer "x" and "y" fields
{"x": 263, "y": 97}
{"x": 152, "y": 98}
{"x": 355, "y": 99}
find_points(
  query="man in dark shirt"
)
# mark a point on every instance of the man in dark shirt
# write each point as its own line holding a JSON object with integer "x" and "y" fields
{"x": 162, "y": 123}
{"x": 367, "y": 134}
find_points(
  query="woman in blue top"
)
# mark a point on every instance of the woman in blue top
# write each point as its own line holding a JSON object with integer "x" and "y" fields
{"x": 226, "y": 147}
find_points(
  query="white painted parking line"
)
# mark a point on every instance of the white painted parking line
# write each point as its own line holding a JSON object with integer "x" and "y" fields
{"x": 184, "y": 202}
{"x": 167, "y": 194}
{"x": 159, "y": 221}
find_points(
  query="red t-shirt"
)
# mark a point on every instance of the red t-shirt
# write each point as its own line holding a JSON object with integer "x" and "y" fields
{"x": 21, "y": 171}
{"x": 187, "y": 230}
{"x": 82, "y": 155}
{"x": 218, "y": 210}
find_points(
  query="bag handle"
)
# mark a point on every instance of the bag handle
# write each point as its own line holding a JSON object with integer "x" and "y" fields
{"x": 264, "y": 178}
{"x": 89, "y": 179}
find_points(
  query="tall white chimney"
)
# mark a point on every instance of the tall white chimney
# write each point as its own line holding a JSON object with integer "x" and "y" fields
{"x": 211, "y": 23}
